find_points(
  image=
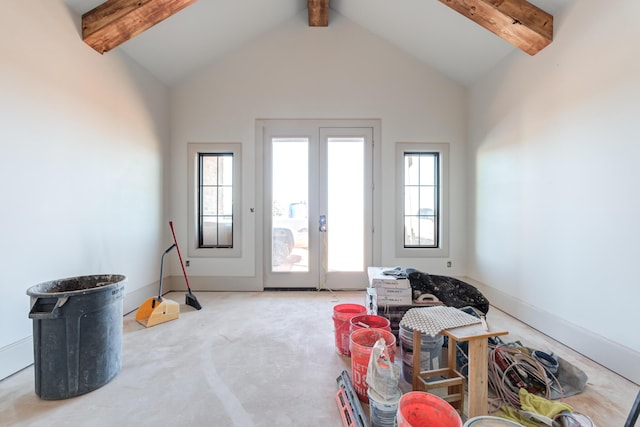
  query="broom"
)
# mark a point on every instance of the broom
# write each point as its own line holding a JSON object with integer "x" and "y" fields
{"x": 190, "y": 298}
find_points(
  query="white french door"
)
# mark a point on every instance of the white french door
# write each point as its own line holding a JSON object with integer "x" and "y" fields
{"x": 318, "y": 204}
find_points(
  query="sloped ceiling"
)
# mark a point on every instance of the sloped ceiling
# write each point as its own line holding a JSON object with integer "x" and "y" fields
{"x": 205, "y": 31}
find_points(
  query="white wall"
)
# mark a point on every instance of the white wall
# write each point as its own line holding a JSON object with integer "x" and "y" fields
{"x": 81, "y": 171}
{"x": 297, "y": 72}
{"x": 554, "y": 155}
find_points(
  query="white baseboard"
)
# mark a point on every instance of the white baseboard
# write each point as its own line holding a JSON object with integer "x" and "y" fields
{"x": 15, "y": 357}
{"x": 209, "y": 284}
{"x": 614, "y": 356}
{"x": 134, "y": 299}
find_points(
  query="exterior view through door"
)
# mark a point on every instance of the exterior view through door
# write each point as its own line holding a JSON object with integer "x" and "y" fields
{"x": 319, "y": 192}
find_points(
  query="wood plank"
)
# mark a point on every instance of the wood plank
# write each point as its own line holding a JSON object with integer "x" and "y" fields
{"x": 478, "y": 377}
{"x": 116, "y": 21}
{"x": 465, "y": 333}
{"x": 318, "y": 13}
{"x": 519, "y": 22}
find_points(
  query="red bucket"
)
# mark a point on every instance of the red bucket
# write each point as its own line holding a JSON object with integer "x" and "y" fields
{"x": 420, "y": 409}
{"x": 370, "y": 321}
{"x": 362, "y": 342}
{"x": 342, "y": 315}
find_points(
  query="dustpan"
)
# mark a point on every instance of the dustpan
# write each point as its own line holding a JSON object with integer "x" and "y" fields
{"x": 156, "y": 309}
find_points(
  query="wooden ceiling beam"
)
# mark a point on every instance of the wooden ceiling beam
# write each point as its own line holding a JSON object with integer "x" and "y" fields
{"x": 318, "y": 13}
{"x": 116, "y": 21}
{"x": 519, "y": 22}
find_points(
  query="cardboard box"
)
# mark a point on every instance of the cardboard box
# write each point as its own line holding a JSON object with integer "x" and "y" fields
{"x": 380, "y": 297}
{"x": 377, "y": 279}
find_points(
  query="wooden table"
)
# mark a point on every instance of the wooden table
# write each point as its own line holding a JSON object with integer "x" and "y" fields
{"x": 478, "y": 369}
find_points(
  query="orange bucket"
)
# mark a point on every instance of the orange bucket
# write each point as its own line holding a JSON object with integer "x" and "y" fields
{"x": 342, "y": 315}
{"x": 420, "y": 409}
{"x": 362, "y": 342}
{"x": 370, "y": 321}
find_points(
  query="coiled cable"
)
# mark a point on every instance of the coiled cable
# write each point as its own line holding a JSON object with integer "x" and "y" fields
{"x": 511, "y": 369}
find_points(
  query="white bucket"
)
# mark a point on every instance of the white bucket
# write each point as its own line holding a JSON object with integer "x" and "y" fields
{"x": 382, "y": 413}
{"x": 430, "y": 351}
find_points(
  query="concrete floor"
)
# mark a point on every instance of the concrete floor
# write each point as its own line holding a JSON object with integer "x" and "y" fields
{"x": 253, "y": 359}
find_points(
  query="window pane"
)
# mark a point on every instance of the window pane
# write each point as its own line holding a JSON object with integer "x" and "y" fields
{"x": 209, "y": 201}
{"x": 225, "y": 201}
{"x": 411, "y": 200}
{"x": 226, "y": 170}
{"x": 411, "y": 231}
{"x": 215, "y": 209}
{"x": 411, "y": 169}
{"x": 421, "y": 200}
{"x": 209, "y": 170}
{"x": 427, "y": 201}
{"x": 217, "y": 232}
{"x": 427, "y": 169}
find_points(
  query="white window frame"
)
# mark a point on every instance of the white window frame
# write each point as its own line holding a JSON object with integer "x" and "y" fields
{"x": 193, "y": 152}
{"x": 442, "y": 251}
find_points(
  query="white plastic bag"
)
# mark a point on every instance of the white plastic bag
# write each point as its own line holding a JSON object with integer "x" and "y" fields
{"x": 382, "y": 373}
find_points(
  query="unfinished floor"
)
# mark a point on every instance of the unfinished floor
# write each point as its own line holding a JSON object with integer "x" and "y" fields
{"x": 253, "y": 359}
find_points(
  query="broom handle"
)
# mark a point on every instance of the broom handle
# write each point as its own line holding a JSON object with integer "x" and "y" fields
{"x": 179, "y": 256}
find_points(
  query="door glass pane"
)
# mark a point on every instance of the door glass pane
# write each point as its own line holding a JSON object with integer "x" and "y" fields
{"x": 289, "y": 215}
{"x": 345, "y": 218}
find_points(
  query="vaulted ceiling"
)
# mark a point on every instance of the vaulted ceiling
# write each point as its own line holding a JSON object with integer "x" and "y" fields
{"x": 427, "y": 29}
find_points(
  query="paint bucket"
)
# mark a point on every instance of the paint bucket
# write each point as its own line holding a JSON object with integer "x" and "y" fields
{"x": 362, "y": 342}
{"x": 382, "y": 413}
{"x": 430, "y": 352}
{"x": 342, "y": 314}
{"x": 489, "y": 421}
{"x": 370, "y": 321}
{"x": 420, "y": 409}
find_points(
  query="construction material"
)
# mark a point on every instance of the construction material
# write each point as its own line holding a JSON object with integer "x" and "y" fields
{"x": 156, "y": 310}
{"x": 190, "y": 298}
{"x": 383, "y": 391}
{"x": 433, "y": 320}
{"x": 420, "y": 409}
{"x": 77, "y": 334}
{"x": 387, "y": 288}
{"x": 348, "y": 404}
{"x": 382, "y": 374}
{"x": 362, "y": 342}
{"x": 342, "y": 315}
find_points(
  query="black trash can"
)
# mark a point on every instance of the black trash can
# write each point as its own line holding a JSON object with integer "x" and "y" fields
{"x": 77, "y": 334}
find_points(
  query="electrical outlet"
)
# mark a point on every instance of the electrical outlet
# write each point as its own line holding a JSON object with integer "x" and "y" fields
{"x": 187, "y": 263}
{"x": 449, "y": 264}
